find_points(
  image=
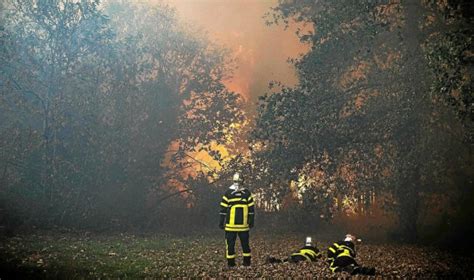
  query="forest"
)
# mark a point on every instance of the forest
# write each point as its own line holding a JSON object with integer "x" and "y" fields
{"x": 119, "y": 136}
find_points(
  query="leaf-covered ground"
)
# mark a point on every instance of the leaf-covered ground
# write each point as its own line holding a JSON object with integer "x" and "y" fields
{"x": 68, "y": 256}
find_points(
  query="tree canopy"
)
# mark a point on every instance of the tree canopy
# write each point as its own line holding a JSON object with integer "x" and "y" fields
{"x": 93, "y": 97}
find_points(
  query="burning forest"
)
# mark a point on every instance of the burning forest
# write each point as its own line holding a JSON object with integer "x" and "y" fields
{"x": 239, "y": 138}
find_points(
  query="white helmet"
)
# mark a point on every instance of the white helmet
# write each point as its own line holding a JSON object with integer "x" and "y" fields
{"x": 308, "y": 241}
{"x": 237, "y": 178}
{"x": 349, "y": 237}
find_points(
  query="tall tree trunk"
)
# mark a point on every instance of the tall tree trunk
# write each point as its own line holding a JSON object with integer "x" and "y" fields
{"x": 416, "y": 93}
{"x": 409, "y": 207}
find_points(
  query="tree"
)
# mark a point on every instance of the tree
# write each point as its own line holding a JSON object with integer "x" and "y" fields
{"x": 49, "y": 50}
{"x": 363, "y": 101}
{"x": 98, "y": 94}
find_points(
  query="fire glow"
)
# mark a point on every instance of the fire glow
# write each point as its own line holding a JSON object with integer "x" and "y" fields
{"x": 261, "y": 51}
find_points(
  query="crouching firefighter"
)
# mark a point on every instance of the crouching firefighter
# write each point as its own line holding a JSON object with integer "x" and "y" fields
{"x": 341, "y": 257}
{"x": 309, "y": 252}
{"x": 236, "y": 218}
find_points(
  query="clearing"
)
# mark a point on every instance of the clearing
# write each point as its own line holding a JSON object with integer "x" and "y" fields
{"x": 79, "y": 256}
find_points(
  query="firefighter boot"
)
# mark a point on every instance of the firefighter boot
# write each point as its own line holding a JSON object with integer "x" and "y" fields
{"x": 247, "y": 261}
{"x": 230, "y": 262}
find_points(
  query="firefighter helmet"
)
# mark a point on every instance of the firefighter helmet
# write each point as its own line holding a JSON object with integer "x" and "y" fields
{"x": 237, "y": 178}
{"x": 349, "y": 237}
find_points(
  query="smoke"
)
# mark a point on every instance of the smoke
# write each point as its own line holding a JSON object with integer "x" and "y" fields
{"x": 261, "y": 51}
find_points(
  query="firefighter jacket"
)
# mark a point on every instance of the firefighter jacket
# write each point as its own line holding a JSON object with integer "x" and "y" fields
{"x": 237, "y": 209}
{"x": 341, "y": 249}
{"x": 310, "y": 253}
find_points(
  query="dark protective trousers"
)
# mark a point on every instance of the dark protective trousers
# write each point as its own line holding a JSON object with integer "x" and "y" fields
{"x": 230, "y": 238}
{"x": 340, "y": 263}
{"x": 348, "y": 264}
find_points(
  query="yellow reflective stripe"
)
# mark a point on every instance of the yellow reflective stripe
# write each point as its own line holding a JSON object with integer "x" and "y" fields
{"x": 245, "y": 212}
{"x": 231, "y": 222}
{"x": 224, "y": 204}
{"x": 332, "y": 249}
{"x": 232, "y": 216}
{"x": 247, "y": 254}
{"x": 336, "y": 245}
{"x": 236, "y": 229}
{"x": 305, "y": 251}
{"x": 225, "y": 198}
{"x": 227, "y": 251}
{"x": 309, "y": 252}
{"x": 346, "y": 247}
{"x": 239, "y": 204}
{"x": 332, "y": 266}
{"x": 344, "y": 254}
{"x": 237, "y": 226}
{"x": 246, "y": 215}
{"x": 251, "y": 204}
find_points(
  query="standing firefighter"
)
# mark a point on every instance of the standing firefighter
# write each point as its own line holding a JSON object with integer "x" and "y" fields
{"x": 309, "y": 252}
{"x": 341, "y": 257}
{"x": 237, "y": 217}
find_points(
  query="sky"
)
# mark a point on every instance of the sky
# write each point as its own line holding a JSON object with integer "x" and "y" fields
{"x": 261, "y": 50}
